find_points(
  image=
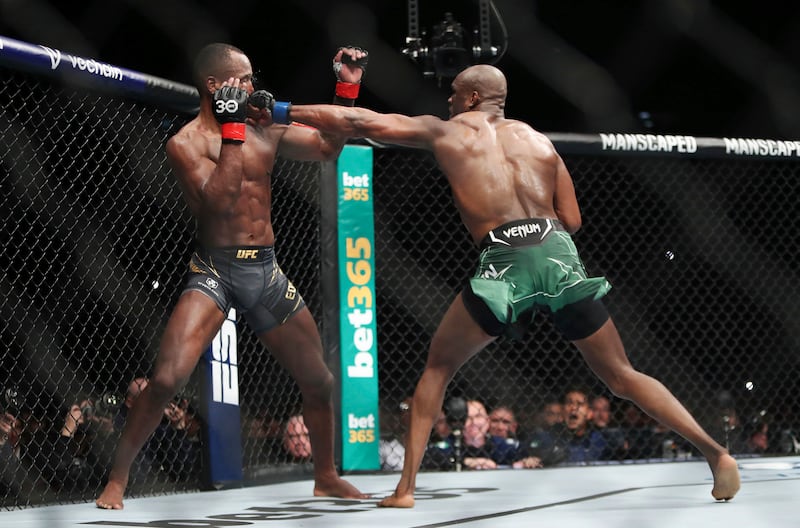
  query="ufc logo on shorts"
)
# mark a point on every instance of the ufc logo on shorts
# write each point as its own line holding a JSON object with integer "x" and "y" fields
{"x": 247, "y": 254}
{"x": 227, "y": 107}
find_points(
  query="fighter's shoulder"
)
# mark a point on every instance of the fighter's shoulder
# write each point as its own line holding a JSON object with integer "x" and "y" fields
{"x": 188, "y": 142}
{"x": 523, "y": 128}
{"x": 189, "y": 134}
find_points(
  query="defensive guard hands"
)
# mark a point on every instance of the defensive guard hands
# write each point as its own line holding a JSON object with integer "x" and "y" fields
{"x": 230, "y": 110}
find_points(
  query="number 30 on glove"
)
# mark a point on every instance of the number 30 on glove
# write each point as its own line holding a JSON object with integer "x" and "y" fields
{"x": 230, "y": 110}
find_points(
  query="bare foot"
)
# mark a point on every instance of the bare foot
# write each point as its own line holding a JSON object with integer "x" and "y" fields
{"x": 337, "y": 488}
{"x": 397, "y": 501}
{"x": 111, "y": 498}
{"x": 726, "y": 478}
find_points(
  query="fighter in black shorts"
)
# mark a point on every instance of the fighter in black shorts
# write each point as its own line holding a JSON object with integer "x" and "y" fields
{"x": 223, "y": 160}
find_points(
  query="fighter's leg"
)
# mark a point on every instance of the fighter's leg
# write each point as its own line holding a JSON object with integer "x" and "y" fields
{"x": 455, "y": 341}
{"x": 605, "y": 355}
{"x": 193, "y": 323}
{"x": 296, "y": 345}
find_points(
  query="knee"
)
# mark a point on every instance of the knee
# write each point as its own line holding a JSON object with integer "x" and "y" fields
{"x": 163, "y": 387}
{"x": 621, "y": 383}
{"x": 319, "y": 388}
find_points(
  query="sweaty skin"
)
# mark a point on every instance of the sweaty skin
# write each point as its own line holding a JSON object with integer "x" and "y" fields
{"x": 228, "y": 190}
{"x": 502, "y": 170}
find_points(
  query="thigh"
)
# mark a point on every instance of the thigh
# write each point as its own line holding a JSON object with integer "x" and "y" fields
{"x": 194, "y": 321}
{"x": 297, "y": 346}
{"x": 605, "y": 354}
{"x": 457, "y": 338}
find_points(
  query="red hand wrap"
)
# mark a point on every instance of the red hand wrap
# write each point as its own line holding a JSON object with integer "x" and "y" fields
{"x": 347, "y": 90}
{"x": 233, "y": 132}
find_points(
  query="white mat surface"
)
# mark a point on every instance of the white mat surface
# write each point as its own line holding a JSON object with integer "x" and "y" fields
{"x": 674, "y": 495}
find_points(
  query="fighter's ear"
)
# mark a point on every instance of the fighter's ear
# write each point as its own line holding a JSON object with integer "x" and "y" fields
{"x": 474, "y": 99}
{"x": 211, "y": 84}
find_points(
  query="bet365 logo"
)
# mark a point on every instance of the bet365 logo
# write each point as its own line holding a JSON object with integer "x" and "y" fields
{"x": 225, "y": 363}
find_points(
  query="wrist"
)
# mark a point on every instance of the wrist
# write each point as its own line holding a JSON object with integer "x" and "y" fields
{"x": 233, "y": 132}
{"x": 346, "y": 93}
{"x": 280, "y": 113}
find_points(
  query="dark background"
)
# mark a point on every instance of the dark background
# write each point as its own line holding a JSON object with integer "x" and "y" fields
{"x": 696, "y": 67}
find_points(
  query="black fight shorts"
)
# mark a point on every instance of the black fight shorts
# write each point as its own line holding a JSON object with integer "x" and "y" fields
{"x": 247, "y": 278}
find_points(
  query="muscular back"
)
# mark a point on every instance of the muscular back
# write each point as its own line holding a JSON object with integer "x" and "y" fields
{"x": 499, "y": 170}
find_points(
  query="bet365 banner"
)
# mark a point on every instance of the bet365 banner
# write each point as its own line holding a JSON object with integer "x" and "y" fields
{"x": 358, "y": 329}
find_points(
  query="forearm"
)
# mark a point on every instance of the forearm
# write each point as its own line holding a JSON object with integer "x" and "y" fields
{"x": 331, "y": 120}
{"x": 222, "y": 188}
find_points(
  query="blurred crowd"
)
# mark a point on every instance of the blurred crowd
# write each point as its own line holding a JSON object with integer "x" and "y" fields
{"x": 575, "y": 428}
{"x": 71, "y": 452}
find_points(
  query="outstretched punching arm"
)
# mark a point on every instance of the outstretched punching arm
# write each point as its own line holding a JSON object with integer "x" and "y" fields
{"x": 418, "y": 131}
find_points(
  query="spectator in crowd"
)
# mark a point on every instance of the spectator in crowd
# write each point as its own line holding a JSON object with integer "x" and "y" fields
{"x": 441, "y": 428}
{"x": 503, "y": 428}
{"x": 550, "y": 414}
{"x": 601, "y": 411}
{"x": 503, "y": 422}
{"x": 602, "y": 419}
{"x": 584, "y": 443}
{"x": 575, "y": 441}
{"x": 754, "y": 438}
{"x": 391, "y": 449}
{"x": 296, "y": 442}
{"x": 539, "y": 447}
{"x": 135, "y": 387}
{"x": 476, "y": 449}
{"x": 175, "y": 444}
{"x": 640, "y": 433}
{"x": 648, "y": 439}
{"x": 73, "y": 455}
{"x": 11, "y": 471}
{"x": 263, "y": 437}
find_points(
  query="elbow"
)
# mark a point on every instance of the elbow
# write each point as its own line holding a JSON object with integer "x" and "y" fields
{"x": 572, "y": 223}
{"x": 573, "y": 228}
{"x": 331, "y": 152}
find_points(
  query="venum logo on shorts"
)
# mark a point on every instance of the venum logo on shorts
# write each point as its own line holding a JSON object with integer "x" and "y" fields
{"x": 492, "y": 273}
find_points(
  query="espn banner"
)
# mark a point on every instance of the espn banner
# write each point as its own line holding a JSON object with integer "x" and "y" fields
{"x": 220, "y": 403}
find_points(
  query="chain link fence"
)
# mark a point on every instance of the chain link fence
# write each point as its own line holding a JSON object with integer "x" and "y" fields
{"x": 703, "y": 258}
{"x": 702, "y": 254}
{"x": 96, "y": 241}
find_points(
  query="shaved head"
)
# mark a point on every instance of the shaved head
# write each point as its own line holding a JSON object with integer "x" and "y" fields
{"x": 487, "y": 80}
{"x": 210, "y": 60}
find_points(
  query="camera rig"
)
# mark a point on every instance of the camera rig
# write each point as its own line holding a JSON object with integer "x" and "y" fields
{"x": 445, "y": 54}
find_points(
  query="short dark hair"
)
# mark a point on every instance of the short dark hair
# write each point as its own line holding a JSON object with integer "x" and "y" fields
{"x": 209, "y": 59}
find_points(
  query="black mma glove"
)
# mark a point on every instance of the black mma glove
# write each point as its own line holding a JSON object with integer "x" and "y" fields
{"x": 230, "y": 110}
{"x": 347, "y": 92}
{"x": 280, "y": 110}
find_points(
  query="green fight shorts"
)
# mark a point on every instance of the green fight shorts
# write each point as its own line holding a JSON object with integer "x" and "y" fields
{"x": 529, "y": 265}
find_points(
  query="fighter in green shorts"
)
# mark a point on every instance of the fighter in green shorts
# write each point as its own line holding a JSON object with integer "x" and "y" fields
{"x": 529, "y": 265}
